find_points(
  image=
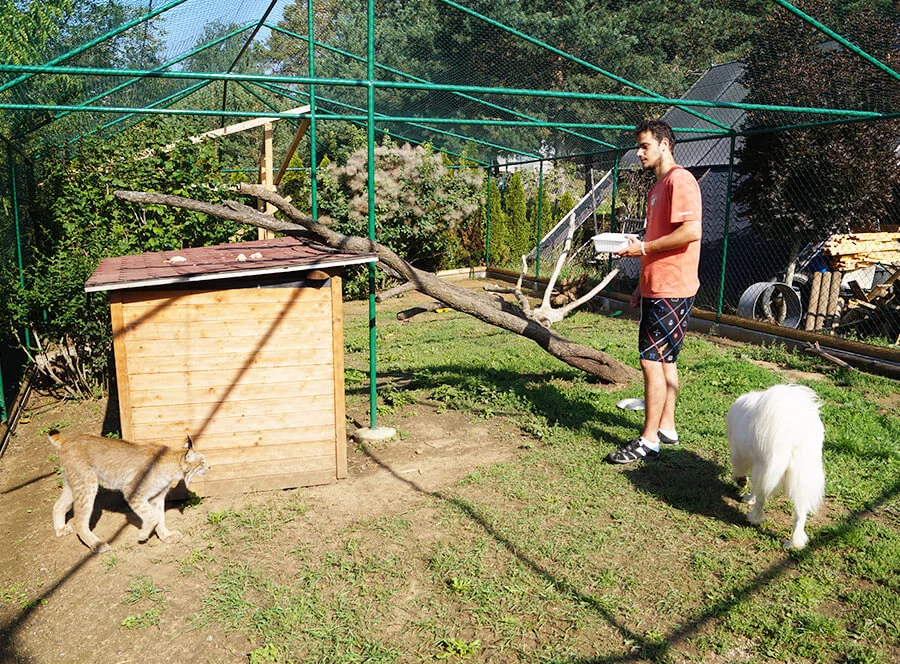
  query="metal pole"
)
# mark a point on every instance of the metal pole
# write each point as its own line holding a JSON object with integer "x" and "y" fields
{"x": 613, "y": 222}
{"x": 615, "y": 192}
{"x": 313, "y": 157}
{"x": 487, "y": 216}
{"x": 540, "y": 206}
{"x": 840, "y": 40}
{"x": 98, "y": 40}
{"x": 727, "y": 228}
{"x": 370, "y": 138}
{"x": 13, "y": 191}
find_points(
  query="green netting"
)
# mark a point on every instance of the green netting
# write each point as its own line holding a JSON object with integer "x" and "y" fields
{"x": 521, "y": 78}
{"x": 788, "y": 114}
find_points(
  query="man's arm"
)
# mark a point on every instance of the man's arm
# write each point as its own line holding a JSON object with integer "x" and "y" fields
{"x": 685, "y": 233}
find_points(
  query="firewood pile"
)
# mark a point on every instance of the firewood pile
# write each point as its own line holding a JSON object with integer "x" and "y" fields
{"x": 852, "y": 251}
{"x": 875, "y": 312}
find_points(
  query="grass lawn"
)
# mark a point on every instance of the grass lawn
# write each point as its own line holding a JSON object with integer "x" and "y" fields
{"x": 559, "y": 557}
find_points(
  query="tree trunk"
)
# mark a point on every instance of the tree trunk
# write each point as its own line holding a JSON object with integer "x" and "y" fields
{"x": 483, "y": 307}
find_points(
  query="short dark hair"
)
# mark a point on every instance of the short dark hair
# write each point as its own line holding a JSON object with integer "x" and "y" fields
{"x": 659, "y": 128}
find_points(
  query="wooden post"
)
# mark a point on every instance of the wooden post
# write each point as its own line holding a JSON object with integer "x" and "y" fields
{"x": 301, "y": 130}
{"x": 120, "y": 348}
{"x": 834, "y": 298}
{"x": 340, "y": 419}
{"x": 266, "y": 176}
{"x": 824, "y": 292}
{"x": 813, "y": 304}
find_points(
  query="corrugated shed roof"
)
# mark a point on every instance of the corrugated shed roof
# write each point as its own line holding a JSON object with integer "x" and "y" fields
{"x": 720, "y": 83}
{"x": 282, "y": 255}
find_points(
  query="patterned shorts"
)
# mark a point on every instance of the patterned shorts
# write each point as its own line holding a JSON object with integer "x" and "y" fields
{"x": 664, "y": 322}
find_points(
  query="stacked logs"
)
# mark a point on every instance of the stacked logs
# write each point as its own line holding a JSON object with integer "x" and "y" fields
{"x": 852, "y": 251}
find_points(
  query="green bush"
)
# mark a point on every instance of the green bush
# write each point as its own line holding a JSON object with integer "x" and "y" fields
{"x": 80, "y": 221}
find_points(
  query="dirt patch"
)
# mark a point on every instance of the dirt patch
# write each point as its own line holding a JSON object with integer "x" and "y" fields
{"x": 789, "y": 375}
{"x": 60, "y": 603}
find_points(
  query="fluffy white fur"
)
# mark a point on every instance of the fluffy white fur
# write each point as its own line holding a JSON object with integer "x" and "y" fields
{"x": 776, "y": 440}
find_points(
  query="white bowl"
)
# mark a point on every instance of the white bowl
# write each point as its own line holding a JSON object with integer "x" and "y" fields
{"x": 609, "y": 242}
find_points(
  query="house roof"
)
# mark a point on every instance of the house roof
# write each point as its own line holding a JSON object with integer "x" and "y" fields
{"x": 284, "y": 255}
{"x": 721, "y": 83}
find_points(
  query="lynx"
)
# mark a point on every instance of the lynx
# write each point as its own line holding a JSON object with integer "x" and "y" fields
{"x": 143, "y": 473}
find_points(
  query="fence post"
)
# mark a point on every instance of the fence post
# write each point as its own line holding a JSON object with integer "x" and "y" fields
{"x": 540, "y": 206}
{"x": 615, "y": 191}
{"x": 370, "y": 143}
{"x": 487, "y": 222}
{"x": 313, "y": 156}
{"x": 727, "y": 228}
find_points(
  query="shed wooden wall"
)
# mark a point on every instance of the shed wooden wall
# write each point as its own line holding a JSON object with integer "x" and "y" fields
{"x": 255, "y": 375}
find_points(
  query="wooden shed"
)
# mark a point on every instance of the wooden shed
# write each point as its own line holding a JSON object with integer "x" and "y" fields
{"x": 240, "y": 346}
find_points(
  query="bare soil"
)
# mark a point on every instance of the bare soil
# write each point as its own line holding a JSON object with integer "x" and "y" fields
{"x": 60, "y": 603}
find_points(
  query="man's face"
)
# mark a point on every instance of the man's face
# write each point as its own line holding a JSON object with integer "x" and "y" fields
{"x": 648, "y": 150}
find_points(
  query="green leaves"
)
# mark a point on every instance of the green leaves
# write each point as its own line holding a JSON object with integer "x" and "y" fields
{"x": 79, "y": 222}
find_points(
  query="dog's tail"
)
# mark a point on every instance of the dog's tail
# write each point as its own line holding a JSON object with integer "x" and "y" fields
{"x": 792, "y": 433}
{"x": 56, "y": 438}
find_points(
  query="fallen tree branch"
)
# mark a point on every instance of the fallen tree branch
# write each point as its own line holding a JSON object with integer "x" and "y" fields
{"x": 489, "y": 310}
{"x": 394, "y": 292}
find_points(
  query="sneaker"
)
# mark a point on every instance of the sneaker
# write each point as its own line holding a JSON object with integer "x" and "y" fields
{"x": 631, "y": 452}
{"x": 665, "y": 440}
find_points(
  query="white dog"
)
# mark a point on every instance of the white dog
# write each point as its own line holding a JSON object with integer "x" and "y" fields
{"x": 776, "y": 438}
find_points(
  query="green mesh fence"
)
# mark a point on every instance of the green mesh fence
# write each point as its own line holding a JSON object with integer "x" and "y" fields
{"x": 16, "y": 241}
{"x": 786, "y": 113}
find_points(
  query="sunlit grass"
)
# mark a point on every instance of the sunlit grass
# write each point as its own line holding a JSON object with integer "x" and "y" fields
{"x": 557, "y": 557}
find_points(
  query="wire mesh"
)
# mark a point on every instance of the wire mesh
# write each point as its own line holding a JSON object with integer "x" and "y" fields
{"x": 787, "y": 114}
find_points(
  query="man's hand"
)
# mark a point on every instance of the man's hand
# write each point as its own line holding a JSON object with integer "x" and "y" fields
{"x": 635, "y": 300}
{"x": 633, "y": 250}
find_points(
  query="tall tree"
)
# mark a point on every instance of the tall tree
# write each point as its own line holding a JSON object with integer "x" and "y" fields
{"x": 516, "y": 208}
{"x": 807, "y": 183}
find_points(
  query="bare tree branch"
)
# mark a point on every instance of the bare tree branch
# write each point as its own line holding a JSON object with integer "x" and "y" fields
{"x": 501, "y": 314}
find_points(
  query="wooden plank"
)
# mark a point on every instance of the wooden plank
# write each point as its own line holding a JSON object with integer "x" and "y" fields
{"x": 223, "y": 321}
{"x": 301, "y": 130}
{"x": 248, "y": 470}
{"x": 281, "y": 481}
{"x": 120, "y": 350}
{"x": 262, "y": 314}
{"x": 206, "y": 439}
{"x": 262, "y": 414}
{"x": 245, "y": 333}
{"x": 259, "y": 375}
{"x": 244, "y": 126}
{"x": 287, "y": 343}
{"x": 340, "y": 417}
{"x": 259, "y": 360}
{"x": 296, "y": 390}
{"x": 241, "y": 296}
{"x": 290, "y": 455}
{"x": 857, "y": 290}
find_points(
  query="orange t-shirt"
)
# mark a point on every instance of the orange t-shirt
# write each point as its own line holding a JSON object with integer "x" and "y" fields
{"x": 672, "y": 201}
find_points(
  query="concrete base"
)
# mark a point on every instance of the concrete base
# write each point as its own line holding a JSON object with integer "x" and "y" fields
{"x": 379, "y": 434}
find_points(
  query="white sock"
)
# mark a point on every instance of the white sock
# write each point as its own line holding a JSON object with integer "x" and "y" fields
{"x": 670, "y": 434}
{"x": 649, "y": 443}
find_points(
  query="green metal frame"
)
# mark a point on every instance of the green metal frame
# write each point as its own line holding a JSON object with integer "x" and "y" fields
{"x": 323, "y": 109}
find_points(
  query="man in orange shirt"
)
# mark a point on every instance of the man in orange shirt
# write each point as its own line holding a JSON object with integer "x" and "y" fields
{"x": 670, "y": 257}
